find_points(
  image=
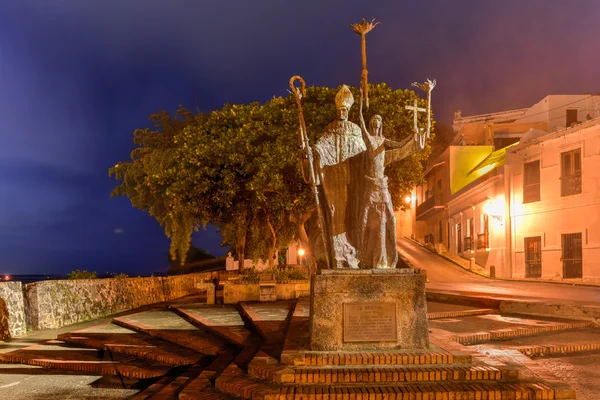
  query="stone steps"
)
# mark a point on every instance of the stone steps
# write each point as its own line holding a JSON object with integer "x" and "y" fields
{"x": 396, "y": 357}
{"x": 178, "y": 331}
{"x": 54, "y": 354}
{"x": 117, "y": 339}
{"x": 269, "y": 320}
{"x": 230, "y": 328}
{"x": 372, "y": 374}
{"x": 234, "y": 382}
{"x": 461, "y": 313}
{"x": 189, "y": 383}
{"x": 500, "y": 334}
{"x": 172, "y": 389}
{"x": 153, "y": 389}
{"x": 202, "y": 386}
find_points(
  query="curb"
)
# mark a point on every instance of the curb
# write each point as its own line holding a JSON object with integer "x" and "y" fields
{"x": 581, "y": 311}
{"x": 447, "y": 259}
{"x": 502, "y": 279}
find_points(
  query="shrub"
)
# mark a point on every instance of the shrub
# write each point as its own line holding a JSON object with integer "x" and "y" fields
{"x": 250, "y": 275}
{"x": 120, "y": 276}
{"x": 280, "y": 274}
{"x": 77, "y": 274}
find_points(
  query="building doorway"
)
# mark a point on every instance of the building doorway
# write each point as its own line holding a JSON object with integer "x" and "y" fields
{"x": 572, "y": 255}
{"x": 533, "y": 257}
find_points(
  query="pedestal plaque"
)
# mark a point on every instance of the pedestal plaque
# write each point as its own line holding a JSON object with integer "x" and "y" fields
{"x": 368, "y": 310}
{"x": 370, "y": 322}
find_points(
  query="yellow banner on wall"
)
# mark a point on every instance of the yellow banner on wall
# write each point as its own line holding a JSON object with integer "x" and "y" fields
{"x": 468, "y": 163}
{"x": 463, "y": 159}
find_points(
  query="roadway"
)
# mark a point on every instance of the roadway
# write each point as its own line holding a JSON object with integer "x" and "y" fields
{"x": 445, "y": 276}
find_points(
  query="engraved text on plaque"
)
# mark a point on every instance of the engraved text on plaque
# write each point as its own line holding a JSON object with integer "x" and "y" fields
{"x": 370, "y": 322}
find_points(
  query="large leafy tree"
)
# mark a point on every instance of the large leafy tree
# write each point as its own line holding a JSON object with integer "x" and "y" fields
{"x": 238, "y": 168}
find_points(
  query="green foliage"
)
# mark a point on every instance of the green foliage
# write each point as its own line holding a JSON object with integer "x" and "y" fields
{"x": 194, "y": 254}
{"x": 77, "y": 274}
{"x": 280, "y": 274}
{"x": 120, "y": 276}
{"x": 212, "y": 264}
{"x": 251, "y": 275}
{"x": 238, "y": 168}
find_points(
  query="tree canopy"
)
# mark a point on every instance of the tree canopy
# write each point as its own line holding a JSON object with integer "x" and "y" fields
{"x": 238, "y": 168}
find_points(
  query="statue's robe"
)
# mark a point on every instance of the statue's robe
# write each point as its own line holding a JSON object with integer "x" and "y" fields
{"x": 377, "y": 238}
{"x": 339, "y": 164}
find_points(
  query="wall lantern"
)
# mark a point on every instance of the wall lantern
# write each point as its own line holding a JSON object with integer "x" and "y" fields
{"x": 495, "y": 209}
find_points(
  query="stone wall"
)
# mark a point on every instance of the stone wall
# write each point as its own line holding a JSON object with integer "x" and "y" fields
{"x": 236, "y": 291}
{"x": 52, "y": 304}
{"x": 12, "y": 310}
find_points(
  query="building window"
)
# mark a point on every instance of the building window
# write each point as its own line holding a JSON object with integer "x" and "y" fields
{"x": 531, "y": 181}
{"x": 570, "y": 179}
{"x": 572, "y": 255}
{"x": 533, "y": 257}
{"x": 483, "y": 239}
{"x": 571, "y": 117}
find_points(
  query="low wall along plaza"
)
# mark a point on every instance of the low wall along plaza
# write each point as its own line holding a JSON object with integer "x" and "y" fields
{"x": 237, "y": 290}
{"x": 12, "y": 310}
{"x": 52, "y": 304}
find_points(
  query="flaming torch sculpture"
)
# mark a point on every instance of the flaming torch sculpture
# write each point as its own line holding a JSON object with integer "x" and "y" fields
{"x": 362, "y": 29}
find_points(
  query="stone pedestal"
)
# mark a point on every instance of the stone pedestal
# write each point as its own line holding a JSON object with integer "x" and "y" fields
{"x": 368, "y": 310}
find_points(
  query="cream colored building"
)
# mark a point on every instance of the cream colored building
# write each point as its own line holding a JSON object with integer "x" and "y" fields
{"x": 524, "y": 196}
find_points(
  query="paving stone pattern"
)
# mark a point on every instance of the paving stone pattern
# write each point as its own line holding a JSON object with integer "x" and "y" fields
{"x": 259, "y": 351}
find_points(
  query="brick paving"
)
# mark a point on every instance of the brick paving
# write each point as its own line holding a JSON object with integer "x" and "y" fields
{"x": 261, "y": 351}
{"x": 168, "y": 326}
{"x": 54, "y": 354}
{"x": 117, "y": 339}
{"x": 223, "y": 321}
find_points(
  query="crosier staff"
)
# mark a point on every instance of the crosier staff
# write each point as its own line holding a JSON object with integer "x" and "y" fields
{"x": 304, "y": 143}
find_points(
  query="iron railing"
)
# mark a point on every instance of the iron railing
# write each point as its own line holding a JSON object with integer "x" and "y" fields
{"x": 570, "y": 184}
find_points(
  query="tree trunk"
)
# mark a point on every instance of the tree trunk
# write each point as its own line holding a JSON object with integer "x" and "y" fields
{"x": 304, "y": 242}
{"x": 241, "y": 247}
{"x": 272, "y": 249}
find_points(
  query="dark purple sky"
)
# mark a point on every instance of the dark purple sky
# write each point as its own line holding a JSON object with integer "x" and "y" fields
{"x": 77, "y": 77}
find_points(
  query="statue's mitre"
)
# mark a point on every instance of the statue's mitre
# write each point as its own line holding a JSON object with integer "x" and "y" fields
{"x": 344, "y": 98}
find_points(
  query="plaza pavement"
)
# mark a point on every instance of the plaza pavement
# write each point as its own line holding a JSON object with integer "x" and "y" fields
{"x": 183, "y": 348}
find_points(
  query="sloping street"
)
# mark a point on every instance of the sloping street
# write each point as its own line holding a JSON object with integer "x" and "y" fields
{"x": 446, "y": 276}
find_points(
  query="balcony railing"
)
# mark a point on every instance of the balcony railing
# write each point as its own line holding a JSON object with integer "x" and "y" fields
{"x": 483, "y": 241}
{"x": 570, "y": 184}
{"x": 467, "y": 244}
{"x": 429, "y": 204}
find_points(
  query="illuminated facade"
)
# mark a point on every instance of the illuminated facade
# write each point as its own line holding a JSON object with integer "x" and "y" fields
{"x": 518, "y": 191}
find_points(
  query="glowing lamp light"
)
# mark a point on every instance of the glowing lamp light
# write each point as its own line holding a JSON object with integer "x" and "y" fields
{"x": 407, "y": 199}
{"x": 301, "y": 253}
{"x": 495, "y": 209}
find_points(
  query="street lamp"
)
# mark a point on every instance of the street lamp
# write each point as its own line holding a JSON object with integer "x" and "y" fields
{"x": 301, "y": 253}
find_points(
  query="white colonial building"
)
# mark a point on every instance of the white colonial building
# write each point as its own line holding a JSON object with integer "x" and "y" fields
{"x": 519, "y": 191}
